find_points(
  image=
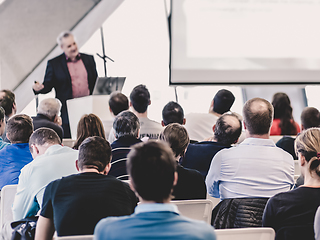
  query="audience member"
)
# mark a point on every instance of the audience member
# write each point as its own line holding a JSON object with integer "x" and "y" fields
{"x": 126, "y": 127}
{"x": 73, "y": 205}
{"x": 190, "y": 183}
{"x": 256, "y": 167}
{"x": 2, "y": 128}
{"x": 51, "y": 161}
{"x": 17, "y": 155}
{"x": 310, "y": 117}
{"x": 152, "y": 167}
{"x": 88, "y": 126}
{"x": 283, "y": 122}
{"x": 317, "y": 225}
{"x": 172, "y": 112}
{"x": 199, "y": 125}
{"x": 291, "y": 214}
{"x": 7, "y": 101}
{"x": 199, "y": 155}
{"x": 48, "y": 115}
{"x": 118, "y": 102}
{"x": 139, "y": 101}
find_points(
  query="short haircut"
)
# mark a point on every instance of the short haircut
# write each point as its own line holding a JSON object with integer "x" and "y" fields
{"x": 258, "y": 116}
{"x": 62, "y": 35}
{"x": 225, "y": 131}
{"x": 2, "y": 114}
{"x": 140, "y": 98}
{"x": 7, "y": 101}
{"x": 310, "y": 117}
{"x": 172, "y": 113}
{"x": 177, "y": 137}
{"x": 94, "y": 152}
{"x": 50, "y": 107}
{"x": 151, "y": 167}
{"x": 42, "y": 136}
{"x": 222, "y": 101}
{"x": 89, "y": 125}
{"x": 308, "y": 144}
{"x": 118, "y": 102}
{"x": 19, "y": 128}
{"x": 126, "y": 123}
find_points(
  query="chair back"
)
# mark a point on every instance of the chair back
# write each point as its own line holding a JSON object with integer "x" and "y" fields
{"x": 196, "y": 209}
{"x": 254, "y": 233}
{"x": 8, "y": 193}
{"x": 78, "y": 237}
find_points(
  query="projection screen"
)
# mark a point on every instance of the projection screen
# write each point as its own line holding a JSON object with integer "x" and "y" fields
{"x": 245, "y": 41}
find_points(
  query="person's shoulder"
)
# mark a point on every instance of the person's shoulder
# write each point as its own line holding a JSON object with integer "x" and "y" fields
{"x": 109, "y": 224}
{"x": 57, "y": 58}
{"x": 198, "y": 229}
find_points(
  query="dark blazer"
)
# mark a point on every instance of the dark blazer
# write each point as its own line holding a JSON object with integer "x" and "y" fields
{"x": 57, "y": 76}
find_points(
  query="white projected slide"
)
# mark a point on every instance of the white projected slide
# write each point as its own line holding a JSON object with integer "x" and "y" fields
{"x": 245, "y": 41}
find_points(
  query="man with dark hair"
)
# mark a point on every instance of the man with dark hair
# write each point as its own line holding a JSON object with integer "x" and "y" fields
{"x": 310, "y": 117}
{"x": 199, "y": 155}
{"x": 2, "y": 128}
{"x": 172, "y": 112}
{"x": 118, "y": 102}
{"x": 7, "y": 101}
{"x": 48, "y": 115}
{"x": 256, "y": 167}
{"x": 73, "y": 205}
{"x": 199, "y": 125}
{"x": 71, "y": 74}
{"x": 139, "y": 101}
{"x": 16, "y": 155}
{"x": 51, "y": 161}
{"x": 152, "y": 171}
{"x": 126, "y": 127}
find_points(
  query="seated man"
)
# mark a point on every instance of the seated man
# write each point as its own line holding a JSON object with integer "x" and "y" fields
{"x": 172, "y": 112}
{"x": 51, "y": 161}
{"x": 199, "y": 155}
{"x": 152, "y": 171}
{"x": 126, "y": 129}
{"x": 118, "y": 102}
{"x": 140, "y": 101}
{"x": 73, "y": 205}
{"x": 199, "y": 125}
{"x": 15, "y": 156}
{"x": 256, "y": 167}
{"x": 2, "y": 128}
{"x": 48, "y": 115}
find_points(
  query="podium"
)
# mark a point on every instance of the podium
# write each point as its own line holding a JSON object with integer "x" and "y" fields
{"x": 77, "y": 107}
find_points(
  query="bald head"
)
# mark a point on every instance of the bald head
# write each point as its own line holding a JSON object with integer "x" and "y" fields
{"x": 258, "y": 116}
{"x": 227, "y": 129}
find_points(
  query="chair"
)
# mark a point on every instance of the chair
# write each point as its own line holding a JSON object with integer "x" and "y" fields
{"x": 78, "y": 237}
{"x": 196, "y": 209}
{"x": 297, "y": 170}
{"x": 256, "y": 233}
{"x": 8, "y": 193}
{"x": 68, "y": 142}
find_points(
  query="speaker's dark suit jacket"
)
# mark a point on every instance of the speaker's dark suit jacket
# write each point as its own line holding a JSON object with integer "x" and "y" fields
{"x": 58, "y": 77}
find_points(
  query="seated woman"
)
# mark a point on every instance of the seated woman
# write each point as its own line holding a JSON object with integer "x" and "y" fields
{"x": 190, "y": 183}
{"x": 89, "y": 125}
{"x": 291, "y": 214}
{"x": 283, "y": 122}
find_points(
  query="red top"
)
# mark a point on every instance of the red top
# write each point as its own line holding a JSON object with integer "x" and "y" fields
{"x": 276, "y": 130}
{"x": 79, "y": 78}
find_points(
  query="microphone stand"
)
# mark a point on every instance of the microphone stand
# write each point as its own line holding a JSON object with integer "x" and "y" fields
{"x": 104, "y": 57}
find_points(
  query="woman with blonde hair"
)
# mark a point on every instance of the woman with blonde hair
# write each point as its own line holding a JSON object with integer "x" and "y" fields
{"x": 88, "y": 126}
{"x": 291, "y": 214}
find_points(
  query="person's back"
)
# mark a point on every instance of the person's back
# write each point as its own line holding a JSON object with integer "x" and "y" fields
{"x": 199, "y": 155}
{"x": 15, "y": 156}
{"x": 154, "y": 217}
{"x": 51, "y": 161}
{"x": 256, "y": 167}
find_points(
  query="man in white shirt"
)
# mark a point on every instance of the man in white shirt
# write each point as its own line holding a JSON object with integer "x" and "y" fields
{"x": 139, "y": 101}
{"x": 256, "y": 167}
{"x": 51, "y": 161}
{"x": 199, "y": 125}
